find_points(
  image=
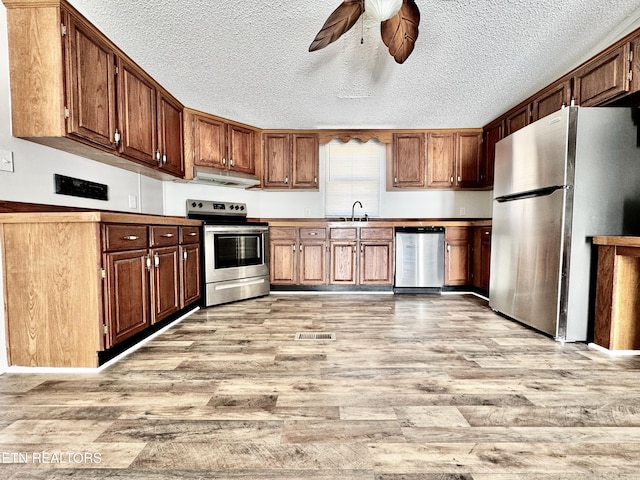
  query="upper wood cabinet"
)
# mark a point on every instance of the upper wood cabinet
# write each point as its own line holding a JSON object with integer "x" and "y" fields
{"x": 492, "y": 134}
{"x": 552, "y": 99}
{"x": 454, "y": 159}
{"x": 241, "y": 149}
{"x": 291, "y": 160}
{"x": 170, "y": 151}
{"x": 603, "y": 78}
{"x": 517, "y": 119}
{"x": 90, "y": 84}
{"x": 213, "y": 142}
{"x": 74, "y": 90}
{"x": 137, "y": 113}
{"x": 408, "y": 160}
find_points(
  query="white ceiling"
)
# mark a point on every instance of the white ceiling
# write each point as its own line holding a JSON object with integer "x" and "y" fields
{"x": 248, "y": 60}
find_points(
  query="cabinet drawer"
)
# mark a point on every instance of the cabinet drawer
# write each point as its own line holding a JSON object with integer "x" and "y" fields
{"x": 125, "y": 237}
{"x": 189, "y": 235}
{"x": 163, "y": 236}
{"x": 282, "y": 233}
{"x": 457, "y": 233}
{"x": 313, "y": 233}
{"x": 343, "y": 233}
{"x": 376, "y": 233}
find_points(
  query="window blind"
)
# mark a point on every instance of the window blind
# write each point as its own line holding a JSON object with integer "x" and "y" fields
{"x": 353, "y": 174}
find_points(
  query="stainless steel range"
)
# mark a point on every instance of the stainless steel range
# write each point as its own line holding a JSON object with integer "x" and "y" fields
{"x": 236, "y": 251}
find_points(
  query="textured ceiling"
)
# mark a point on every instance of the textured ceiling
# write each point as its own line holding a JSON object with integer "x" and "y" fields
{"x": 248, "y": 60}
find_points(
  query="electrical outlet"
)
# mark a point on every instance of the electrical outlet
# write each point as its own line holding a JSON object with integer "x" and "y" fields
{"x": 307, "y": 212}
{"x": 463, "y": 212}
{"x": 133, "y": 201}
{"x": 6, "y": 160}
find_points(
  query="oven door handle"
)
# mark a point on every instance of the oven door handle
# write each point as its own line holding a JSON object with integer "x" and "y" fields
{"x": 232, "y": 230}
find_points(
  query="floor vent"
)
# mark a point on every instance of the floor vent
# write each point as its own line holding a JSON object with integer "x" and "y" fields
{"x": 315, "y": 336}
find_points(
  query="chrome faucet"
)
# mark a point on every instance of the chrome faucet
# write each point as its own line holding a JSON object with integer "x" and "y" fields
{"x": 353, "y": 208}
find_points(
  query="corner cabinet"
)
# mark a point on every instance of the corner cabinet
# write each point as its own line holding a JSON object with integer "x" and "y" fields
{"x": 79, "y": 284}
{"x": 291, "y": 160}
{"x": 74, "y": 90}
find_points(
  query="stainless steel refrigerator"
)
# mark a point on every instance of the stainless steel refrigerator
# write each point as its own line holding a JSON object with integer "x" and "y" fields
{"x": 559, "y": 181}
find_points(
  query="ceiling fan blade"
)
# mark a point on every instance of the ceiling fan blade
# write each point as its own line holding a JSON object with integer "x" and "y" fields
{"x": 400, "y": 32}
{"x": 340, "y": 21}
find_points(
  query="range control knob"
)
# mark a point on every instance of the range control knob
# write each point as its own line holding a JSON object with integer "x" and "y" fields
{"x": 241, "y": 207}
{"x": 200, "y": 205}
{"x": 193, "y": 204}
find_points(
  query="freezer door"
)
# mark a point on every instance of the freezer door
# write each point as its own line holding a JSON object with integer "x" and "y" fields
{"x": 537, "y": 156}
{"x": 526, "y": 260}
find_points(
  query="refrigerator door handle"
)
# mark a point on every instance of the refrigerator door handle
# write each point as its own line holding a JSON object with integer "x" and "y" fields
{"x": 542, "y": 192}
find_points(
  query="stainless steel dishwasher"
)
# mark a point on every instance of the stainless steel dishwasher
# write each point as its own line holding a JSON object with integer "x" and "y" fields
{"x": 419, "y": 258}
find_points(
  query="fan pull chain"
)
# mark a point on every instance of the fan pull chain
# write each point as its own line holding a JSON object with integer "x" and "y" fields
{"x": 361, "y": 30}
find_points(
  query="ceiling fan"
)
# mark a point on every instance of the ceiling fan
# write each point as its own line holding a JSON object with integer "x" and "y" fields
{"x": 399, "y": 24}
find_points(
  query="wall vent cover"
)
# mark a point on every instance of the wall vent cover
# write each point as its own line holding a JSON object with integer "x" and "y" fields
{"x": 315, "y": 336}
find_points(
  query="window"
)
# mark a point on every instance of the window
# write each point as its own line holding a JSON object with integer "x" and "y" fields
{"x": 353, "y": 174}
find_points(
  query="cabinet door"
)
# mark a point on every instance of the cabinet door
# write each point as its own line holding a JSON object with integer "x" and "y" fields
{"x": 276, "y": 160}
{"x": 441, "y": 150}
{"x": 170, "y": 135}
{"x": 283, "y": 262}
{"x": 190, "y": 274}
{"x": 210, "y": 142}
{"x": 137, "y": 114}
{"x": 313, "y": 261}
{"x": 468, "y": 159}
{"x": 552, "y": 100}
{"x": 127, "y": 295}
{"x": 604, "y": 78}
{"x": 457, "y": 260}
{"x": 304, "y": 160}
{"x": 376, "y": 263}
{"x": 241, "y": 149}
{"x": 343, "y": 264}
{"x": 492, "y": 135}
{"x": 90, "y": 85}
{"x": 408, "y": 160}
{"x": 165, "y": 287}
{"x": 517, "y": 119}
{"x": 481, "y": 257}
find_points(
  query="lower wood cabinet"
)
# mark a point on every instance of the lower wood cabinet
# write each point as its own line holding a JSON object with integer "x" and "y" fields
{"x": 457, "y": 256}
{"x": 331, "y": 256}
{"x": 80, "y": 283}
{"x": 481, "y": 258}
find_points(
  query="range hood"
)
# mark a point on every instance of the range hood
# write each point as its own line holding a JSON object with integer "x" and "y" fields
{"x": 223, "y": 178}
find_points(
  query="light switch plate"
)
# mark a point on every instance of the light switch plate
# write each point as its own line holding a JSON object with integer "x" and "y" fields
{"x": 6, "y": 160}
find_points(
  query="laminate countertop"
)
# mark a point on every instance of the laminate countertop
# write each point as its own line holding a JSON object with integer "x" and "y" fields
{"x": 378, "y": 222}
{"x": 95, "y": 216}
{"x": 617, "y": 241}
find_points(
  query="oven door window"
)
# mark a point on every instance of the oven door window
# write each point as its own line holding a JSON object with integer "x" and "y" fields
{"x": 237, "y": 250}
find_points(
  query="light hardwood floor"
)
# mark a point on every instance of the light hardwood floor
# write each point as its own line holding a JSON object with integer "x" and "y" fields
{"x": 413, "y": 388}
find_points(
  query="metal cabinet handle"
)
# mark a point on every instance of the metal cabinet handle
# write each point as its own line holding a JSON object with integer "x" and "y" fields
{"x": 130, "y": 237}
{"x": 315, "y": 180}
{"x": 294, "y": 247}
{"x": 158, "y": 155}
{"x": 224, "y": 161}
{"x": 395, "y": 180}
{"x": 192, "y": 234}
{"x": 156, "y": 260}
{"x": 451, "y": 180}
{"x": 116, "y": 137}
{"x": 148, "y": 262}
{"x": 185, "y": 255}
{"x": 231, "y": 162}
{"x": 167, "y": 235}
{"x": 313, "y": 234}
{"x": 164, "y": 158}
{"x": 459, "y": 178}
{"x": 286, "y": 180}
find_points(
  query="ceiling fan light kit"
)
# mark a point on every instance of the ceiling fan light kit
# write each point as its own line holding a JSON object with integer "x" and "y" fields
{"x": 399, "y": 24}
{"x": 382, "y": 10}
